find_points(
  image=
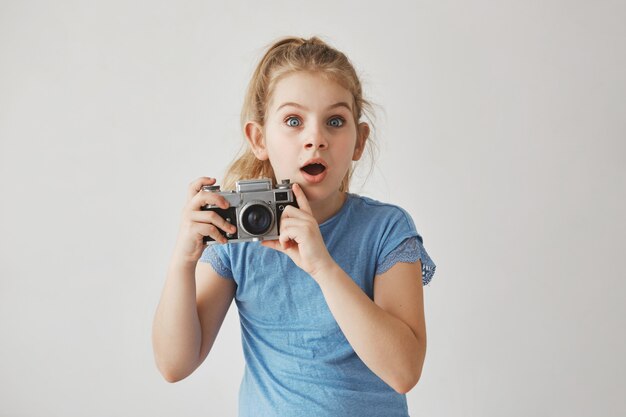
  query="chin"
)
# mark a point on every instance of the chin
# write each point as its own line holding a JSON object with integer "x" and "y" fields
{"x": 319, "y": 192}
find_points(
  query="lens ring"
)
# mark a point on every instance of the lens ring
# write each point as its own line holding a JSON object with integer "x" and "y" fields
{"x": 256, "y": 218}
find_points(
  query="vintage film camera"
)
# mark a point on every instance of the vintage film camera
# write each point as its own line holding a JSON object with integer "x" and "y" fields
{"x": 255, "y": 209}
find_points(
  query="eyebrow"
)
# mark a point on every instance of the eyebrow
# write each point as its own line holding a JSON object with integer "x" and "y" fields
{"x": 334, "y": 106}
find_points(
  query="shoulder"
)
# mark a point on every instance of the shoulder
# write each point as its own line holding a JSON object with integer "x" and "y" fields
{"x": 367, "y": 203}
{"x": 383, "y": 213}
{"x": 362, "y": 202}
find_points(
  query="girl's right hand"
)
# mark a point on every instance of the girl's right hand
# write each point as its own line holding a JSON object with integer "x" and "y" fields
{"x": 196, "y": 223}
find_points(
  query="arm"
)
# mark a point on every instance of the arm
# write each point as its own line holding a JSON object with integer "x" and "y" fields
{"x": 195, "y": 298}
{"x": 188, "y": 318}
{"x": 389, "y": 333}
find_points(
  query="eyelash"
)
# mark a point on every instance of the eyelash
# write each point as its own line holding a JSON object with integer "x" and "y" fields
{"x": 341, "y": 120}
{"x": 288, "y": 119}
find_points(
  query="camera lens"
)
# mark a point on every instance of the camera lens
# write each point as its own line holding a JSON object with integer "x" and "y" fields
{"x": 256, "y": 219}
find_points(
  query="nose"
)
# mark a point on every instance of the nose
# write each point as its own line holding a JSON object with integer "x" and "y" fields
{"x": 316, "y": 139}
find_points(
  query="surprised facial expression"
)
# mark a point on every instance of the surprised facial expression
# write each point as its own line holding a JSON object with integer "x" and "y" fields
{"x": 310, "y": 135}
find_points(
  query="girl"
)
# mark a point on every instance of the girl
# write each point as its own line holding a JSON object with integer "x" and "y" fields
{"x": 331, "y": 313}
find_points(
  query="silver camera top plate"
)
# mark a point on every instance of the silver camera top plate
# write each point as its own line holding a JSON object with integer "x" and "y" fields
{"x": 245, "y": 186}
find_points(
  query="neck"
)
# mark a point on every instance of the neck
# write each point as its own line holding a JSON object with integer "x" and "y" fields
{"x": 327, "y": 208}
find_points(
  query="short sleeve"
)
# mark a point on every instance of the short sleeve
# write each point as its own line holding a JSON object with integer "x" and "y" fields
{"x": 217, "y": 256}
{"x": 409, "y": 251}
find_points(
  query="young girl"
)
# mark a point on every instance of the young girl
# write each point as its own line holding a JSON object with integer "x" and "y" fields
{"x": 332, "y": 314}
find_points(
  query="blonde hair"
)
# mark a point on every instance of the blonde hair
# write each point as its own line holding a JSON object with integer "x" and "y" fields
{"x": 286, "y": 56}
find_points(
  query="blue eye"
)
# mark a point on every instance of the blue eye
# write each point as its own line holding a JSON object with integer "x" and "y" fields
{"x": 293, "y": 121}
{"x": 336, "y": 122}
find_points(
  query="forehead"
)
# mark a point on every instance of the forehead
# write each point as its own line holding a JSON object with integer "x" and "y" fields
{"x": 308, "y": 89}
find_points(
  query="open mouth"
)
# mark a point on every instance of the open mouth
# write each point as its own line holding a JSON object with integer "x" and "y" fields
{"x": 314, "y": 169}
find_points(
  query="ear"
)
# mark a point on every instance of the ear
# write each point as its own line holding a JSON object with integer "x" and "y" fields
{"x": 362, "y": 135}
{"x": 254, "y": 135}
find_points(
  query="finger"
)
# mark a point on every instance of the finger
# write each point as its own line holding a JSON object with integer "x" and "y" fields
{"x": 290, "y": 231}
{"x": 211, "y": 231}
{"x": 202, "y": 198}
{"x": 196, "y": 186}
{"x": 293, "y": 212}
{"x": 303, "y": 202}
{"x": 292, "y": 224}
{"x": 280, "y": 247}
{"x": 294, "y": 231}
{"x": 284, "y": 236}
{"x": 272, "y": 244}
{"x": 211, "y": 217}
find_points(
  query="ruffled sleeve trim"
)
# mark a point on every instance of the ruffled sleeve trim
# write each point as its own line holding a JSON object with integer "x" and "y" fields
{"x": 409, "y": 251}
{"x": 210, "y": 256}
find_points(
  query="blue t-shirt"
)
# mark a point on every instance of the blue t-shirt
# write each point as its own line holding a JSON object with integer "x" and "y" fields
{"x": 298, "y": 362}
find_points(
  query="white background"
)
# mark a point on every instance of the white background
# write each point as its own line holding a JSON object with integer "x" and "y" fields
{"x": 501, "y": 129}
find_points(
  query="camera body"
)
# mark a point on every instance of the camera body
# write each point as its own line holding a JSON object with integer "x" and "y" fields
{"x": 255, "y": 209}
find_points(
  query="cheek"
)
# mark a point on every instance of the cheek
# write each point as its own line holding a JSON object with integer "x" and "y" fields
{"x": 282, "y": 154}
{"x": 347, "y": 149}
{"x": 282, "y": 149}
{"x": 272, "y": 142}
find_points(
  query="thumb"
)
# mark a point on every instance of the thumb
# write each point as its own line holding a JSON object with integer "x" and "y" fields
{"x": 272, "y": 244}
{"x": 287, "y": 247}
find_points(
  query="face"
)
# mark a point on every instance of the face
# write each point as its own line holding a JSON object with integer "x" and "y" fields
{"x": 310, "y": 135}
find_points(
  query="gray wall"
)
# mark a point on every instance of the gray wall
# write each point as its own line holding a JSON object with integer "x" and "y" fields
{"x": 501, "y": 129}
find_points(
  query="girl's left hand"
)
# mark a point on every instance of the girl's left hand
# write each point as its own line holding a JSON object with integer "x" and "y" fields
{"x": 300, "y": 237}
